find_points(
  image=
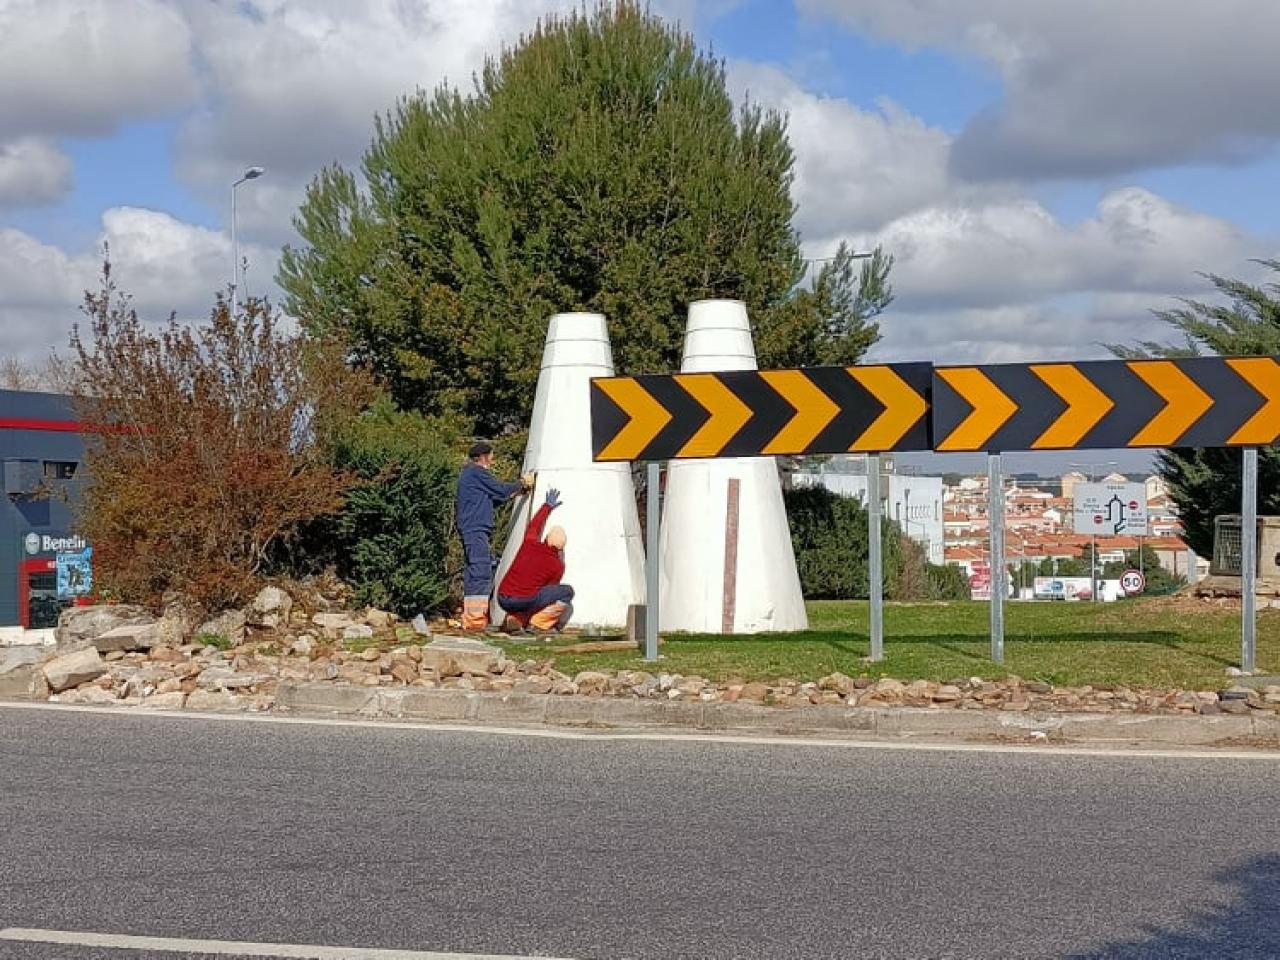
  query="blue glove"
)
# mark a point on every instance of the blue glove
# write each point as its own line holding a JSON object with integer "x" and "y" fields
{"x": 553, "y": 498}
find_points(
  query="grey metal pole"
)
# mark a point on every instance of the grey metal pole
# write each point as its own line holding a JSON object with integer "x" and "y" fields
{"x": 875, "y": 559}
{"x": 1249, "y": 561}
{"x": 995, "y": 528}
{"x": 235, "y": 249}
{"x": 651, "y": 565}
{"x": 1093, "y": 568}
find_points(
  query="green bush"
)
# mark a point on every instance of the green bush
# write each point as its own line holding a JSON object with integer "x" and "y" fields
{"x": 947, "y": 582}
{"x": 829, "y": 535}
{"x": 391, "y": 541}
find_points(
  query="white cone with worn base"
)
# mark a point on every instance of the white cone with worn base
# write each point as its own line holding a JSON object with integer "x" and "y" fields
{"x": 726, "y": 560}
{"x": 604, "y": 558}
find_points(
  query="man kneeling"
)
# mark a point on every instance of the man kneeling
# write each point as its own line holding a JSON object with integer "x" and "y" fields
{"x": 531, "y": 593}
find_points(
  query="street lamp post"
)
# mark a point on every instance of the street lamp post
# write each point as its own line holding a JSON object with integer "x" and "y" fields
{"x": 253, "y": 173}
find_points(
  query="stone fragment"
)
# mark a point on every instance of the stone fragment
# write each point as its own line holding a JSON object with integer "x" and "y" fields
{"x": 1039, "y": 686}
{"x": 404, "y": 670}
{"x": 370, "y": 655}
{"x": 592, "y": 683}
{"x": 73, "y": 669}
{"x": 97, "y": 695}
{"x": 420, "y": 626}
{"x": 838, "y": 682}
{"x": 77, "y": 626}
{"x": 535, "y": 684}
{"x": 305, "y": 645}
{"x": 270, "y": 608}
{"x": 947, "y": 693}
{"x": 128, "y": 638}
{"x": 753, "y": 691}
{"x": 379, "y": 619}
{"x": 454, "y": 656}
{"x": 357, "y": 631}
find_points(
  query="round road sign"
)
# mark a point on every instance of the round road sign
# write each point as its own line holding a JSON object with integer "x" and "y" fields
{"x": 1133, "y": 582}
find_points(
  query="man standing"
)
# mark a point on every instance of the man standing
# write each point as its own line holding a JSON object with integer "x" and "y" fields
{"x": 479, "y": 491}
{"x": 531, "y": 591}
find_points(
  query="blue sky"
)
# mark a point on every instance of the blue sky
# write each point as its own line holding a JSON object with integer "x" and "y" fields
{"x": 1044, "y": 173}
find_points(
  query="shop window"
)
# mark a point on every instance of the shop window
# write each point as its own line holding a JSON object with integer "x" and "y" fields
{"x": 60, "y": 469}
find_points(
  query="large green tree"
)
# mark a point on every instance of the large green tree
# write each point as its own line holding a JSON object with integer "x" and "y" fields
{"x": 1207, "y": 483}
{"x": 599, "y": 164}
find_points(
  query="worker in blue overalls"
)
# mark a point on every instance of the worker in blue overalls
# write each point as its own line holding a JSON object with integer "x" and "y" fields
{"x": 479, "y": 491}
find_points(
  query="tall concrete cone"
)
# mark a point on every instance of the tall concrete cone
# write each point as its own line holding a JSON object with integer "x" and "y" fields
{"x": 604, "y": 558}
{"x": 726, "y": 564}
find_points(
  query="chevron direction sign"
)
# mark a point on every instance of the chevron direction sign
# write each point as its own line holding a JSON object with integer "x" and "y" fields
{"x": 1110, "y": 404}
{"x": 752, "y": 413}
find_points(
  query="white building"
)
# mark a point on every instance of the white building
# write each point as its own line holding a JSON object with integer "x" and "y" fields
{"x": 914, "y": 503}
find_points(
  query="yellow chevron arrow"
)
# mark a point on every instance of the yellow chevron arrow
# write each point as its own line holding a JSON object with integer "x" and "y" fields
{"x": 1263, "y": 428}
{"x": 1086, "y": 405}
{"x": 1185, "y": 402}
{"x": 992, "y": 408}
{"x": 814, "y": 410}
{"x": 903, "y": 408}
{"x": 648, "y": 417}
{"x": 728, "y": 414}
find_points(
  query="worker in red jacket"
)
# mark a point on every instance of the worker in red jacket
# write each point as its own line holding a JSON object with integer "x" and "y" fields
{"x": 531, "y": 592}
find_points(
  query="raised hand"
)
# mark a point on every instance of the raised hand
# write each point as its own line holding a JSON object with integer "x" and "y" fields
{"x": 553, "y": 498}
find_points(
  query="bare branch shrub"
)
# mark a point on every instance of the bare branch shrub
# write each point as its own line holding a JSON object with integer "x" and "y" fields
{"x": 206, "y": 446}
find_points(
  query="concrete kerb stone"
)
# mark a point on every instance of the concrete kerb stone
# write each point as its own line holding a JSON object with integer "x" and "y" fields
{"x": 326, "y": 698}
{"x": 329, "y": 699}
{"x": 1150, "y": 728}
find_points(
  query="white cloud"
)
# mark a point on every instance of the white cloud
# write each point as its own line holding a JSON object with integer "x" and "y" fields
{"x": 166, "y": 265}
{"x": 80, "y": 67}
{"x": 856, "y": 169}
{"x": 1017, "y": 252}
{"x": 33, "y": 172}
{"x": 1098, "y": 86}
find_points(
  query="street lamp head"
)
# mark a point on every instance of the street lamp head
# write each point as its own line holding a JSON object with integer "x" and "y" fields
{"x": 253, "y": 173}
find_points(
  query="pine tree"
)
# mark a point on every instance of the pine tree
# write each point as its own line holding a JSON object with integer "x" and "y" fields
{"x": 1207, "y": 483}
{"x": 599, "y": 165}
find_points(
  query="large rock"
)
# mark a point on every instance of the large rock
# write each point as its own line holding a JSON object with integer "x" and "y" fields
{"x": 271, "y": 608}
{"x": 229, "y": 625}
{"x": 130, "y": 637}
{"x": 20, "y": 675}
{"x": 454, "y": 656}
{"x": 73, "y": 669}
{"x": 79, "y": 626}
{"x": 333, "y": 624}
{"x": 181, "y": 616}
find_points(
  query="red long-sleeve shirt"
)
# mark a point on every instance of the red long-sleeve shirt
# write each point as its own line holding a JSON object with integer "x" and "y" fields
{"x": 536, "y": 565}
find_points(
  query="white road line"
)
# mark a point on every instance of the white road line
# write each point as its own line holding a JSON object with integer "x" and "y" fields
{"x": 1118, "y": 751}
{"x": 233, "y": 948}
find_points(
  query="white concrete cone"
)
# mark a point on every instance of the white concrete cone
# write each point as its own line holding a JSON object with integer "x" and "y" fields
{"x": 699, "y": 591}
{"x": 604, "y": 558}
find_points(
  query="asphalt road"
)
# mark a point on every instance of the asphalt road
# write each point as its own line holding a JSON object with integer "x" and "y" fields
{"x": 428, "y": 840}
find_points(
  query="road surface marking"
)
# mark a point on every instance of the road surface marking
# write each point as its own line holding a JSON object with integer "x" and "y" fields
{"x": 233, "y": 948}
{"x": 793, "y": 741}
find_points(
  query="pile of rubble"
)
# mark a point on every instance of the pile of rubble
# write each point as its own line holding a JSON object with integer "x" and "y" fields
{"x": 238, "y": 659}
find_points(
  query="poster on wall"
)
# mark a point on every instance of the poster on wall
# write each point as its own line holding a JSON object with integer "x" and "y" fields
{"x": 75, "y": 574}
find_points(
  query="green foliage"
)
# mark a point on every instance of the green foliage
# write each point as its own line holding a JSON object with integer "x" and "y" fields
{"x": 391, "y": 540}
{"x": 947, "y": 582}
{"x": 1160, "y": 582}
{"x": 1207, "y": 483}
{"x": 829, "y": 535}
{"x": 600, "y": 165}
{"x": 215, "y": 640}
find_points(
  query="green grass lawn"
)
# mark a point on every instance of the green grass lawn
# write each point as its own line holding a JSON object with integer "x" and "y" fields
{"x": 1139, "y": 643}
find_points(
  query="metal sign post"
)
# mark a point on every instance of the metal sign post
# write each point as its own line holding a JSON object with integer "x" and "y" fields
{"x": 1249, "y": 561}
{"x": 875, "y": 559}
{"x": 651, "y": 564}
{"x": 995, "y": 529}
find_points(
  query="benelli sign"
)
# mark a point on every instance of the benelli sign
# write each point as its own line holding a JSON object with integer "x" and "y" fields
{"x": 36, "y": 543}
